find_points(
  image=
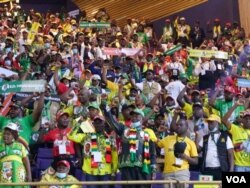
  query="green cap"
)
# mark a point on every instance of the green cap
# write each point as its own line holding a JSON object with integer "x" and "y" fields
{"x": 183, "y": 75}
{"x": 94, "y": 105}
{"x": 137, "y": 111}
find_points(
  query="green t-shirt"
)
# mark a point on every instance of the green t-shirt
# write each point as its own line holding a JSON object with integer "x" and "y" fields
{"x": 223, "y": 106}
{"x": 142, "y": 37}
{"x": 25, "y": 125}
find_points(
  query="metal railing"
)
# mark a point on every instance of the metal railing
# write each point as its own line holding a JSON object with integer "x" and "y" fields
{"x": 170, "y": 182}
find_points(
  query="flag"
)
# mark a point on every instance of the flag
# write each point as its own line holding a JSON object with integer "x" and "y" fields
{"x": 23, "y": 86}
{"x": 208, "y": 54}
{"x": 94, "y": 25}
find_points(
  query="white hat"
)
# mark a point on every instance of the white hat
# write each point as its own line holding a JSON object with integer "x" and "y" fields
{"x": 182, "y": 18}
{"x": 12, "y": 126}
{"x": 24, "y": 30}
{"x": 95, "y": 77}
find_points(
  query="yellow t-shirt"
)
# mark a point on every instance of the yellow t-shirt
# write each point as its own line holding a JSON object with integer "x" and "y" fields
{"x": 168, "y": 144}
{"x": 188, "y": 109}
{"x": 53, "y": 178}
{"x": 239, "y": 135}
{"x": 151, "y": 133}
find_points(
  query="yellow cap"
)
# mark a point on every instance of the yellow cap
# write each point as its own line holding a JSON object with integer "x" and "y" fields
{"x": 214, "y": 117}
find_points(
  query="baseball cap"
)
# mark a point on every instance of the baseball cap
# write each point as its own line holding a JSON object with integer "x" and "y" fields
{"x": 214, "y": 117}
{"x": 195, "y": 92}
{"x": 137, "y": 111}
{"x": 12, "y": 126}
{"x": 182, "y": 18}
{"x": 169, "y": 96}
{"x": 95, "y": 77}
{"x": 246, "y": 113}
{"x": 63, "y": 162}
{"x": 17, "y": 104}
{"x": 99, "y": 117}
{"x": 60, "y": 113}
{"x": 94, "y": 105}
{"x": 229, "y": 89}
{"x": 198, "y": 104}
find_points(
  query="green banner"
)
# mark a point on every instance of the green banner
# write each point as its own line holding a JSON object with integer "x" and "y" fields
{"x": 23, "y": 86}
{"x": 208, "y": 54}
{"x": 173, "y": 50}
{"x": 94, "y": 25}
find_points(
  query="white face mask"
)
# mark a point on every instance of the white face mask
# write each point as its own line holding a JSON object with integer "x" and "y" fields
{"x": 7, "y": 63}
{"x": 61, "y": 175}
{"x": 135, "y": 125}
{"x": 215, "y": 129}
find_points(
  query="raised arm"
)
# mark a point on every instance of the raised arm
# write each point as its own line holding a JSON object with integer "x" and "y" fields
{"x": 37, "y": 112}
{"x": 225, "y": 118}
{"x": 181, "y": 96}
{"x": 104, "y": 74}
{"x": 118, "y": 127}
{"x": 213, "y": 98}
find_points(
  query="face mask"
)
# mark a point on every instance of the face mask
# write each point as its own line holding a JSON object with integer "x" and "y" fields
{"x": 75, "y": 51}
{"x": 136, "y": 125}
{"x": 47, "y": 45}
{"x": 132, "y": 98}
{"x": 149, "y": 60}
{"x": 61, "y": 175}
{"x": 8, "y": 50}
{"x": 214, "y": 130}
{"x": 8, "y": 63}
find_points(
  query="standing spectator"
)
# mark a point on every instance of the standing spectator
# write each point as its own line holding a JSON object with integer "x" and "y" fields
{"x": 99, "y": 152}
{"x": 183, "y": 30}
{"x": 25, "y": 123}
{"x": 63, "y": 149}
{"x": 137, "y": 158}
{"x": 205, "y": 70}
{"x": 217, "y": 150}
{"x": 149, "y": 87}
{"x": 14, "y": 161}
{"x": 168, "y": 32}
{"x": 240, "y": 137}
{"x": 197, "y": 35}
{"x": 180, "y": 151}
{"x": 223, "y": 105}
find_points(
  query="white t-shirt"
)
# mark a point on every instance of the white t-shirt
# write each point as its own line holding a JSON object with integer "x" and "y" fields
{"x": 174, "y": 88}
{"x": 212, "y": 159}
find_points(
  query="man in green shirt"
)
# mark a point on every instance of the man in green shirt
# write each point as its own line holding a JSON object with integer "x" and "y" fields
{"x": 25, "y": 123}
{"x": 223, "y": 105}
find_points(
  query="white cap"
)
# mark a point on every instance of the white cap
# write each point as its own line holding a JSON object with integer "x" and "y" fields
{"x": 95, "y": 77}
{"x": 12, "y": 126}
{"x": 182, "y": 18}
{"x": 24, "y": 30}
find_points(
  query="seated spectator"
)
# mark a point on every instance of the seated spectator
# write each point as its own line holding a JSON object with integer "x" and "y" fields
{"x": 61, "y": 175}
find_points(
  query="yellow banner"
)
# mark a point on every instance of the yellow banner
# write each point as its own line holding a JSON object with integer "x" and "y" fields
{"x": 33, "y": 31}
{"x": 208, "y": 53}
{"x": 5, "y": 1}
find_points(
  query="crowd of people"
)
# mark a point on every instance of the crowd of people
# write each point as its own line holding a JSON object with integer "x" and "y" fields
{"x": 160, "y": 110}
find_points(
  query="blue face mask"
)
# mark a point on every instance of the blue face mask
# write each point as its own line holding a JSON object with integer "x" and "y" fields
{"x": 61, "y": 175}
{"x": 136, "y": 125}
{"x": 47, "y": 45}
{"x": 8, "y": 50}
{"x": 75, "y": 51}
